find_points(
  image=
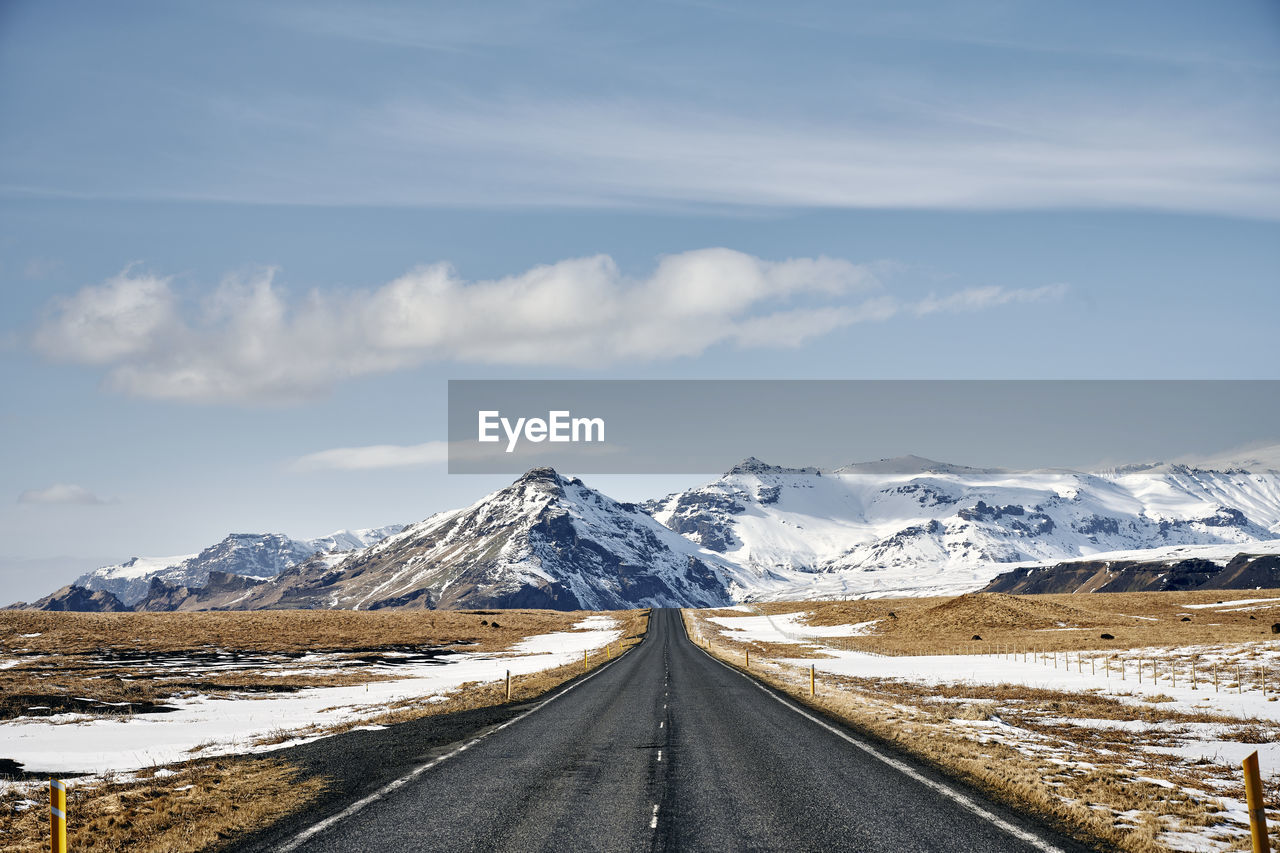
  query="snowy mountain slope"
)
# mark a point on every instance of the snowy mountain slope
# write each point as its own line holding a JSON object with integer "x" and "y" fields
{"x": 544, "y": 541}
{"x": 905, "y": 526}
{"x": 249, "y": 554}
{"x": 914, "y": 526}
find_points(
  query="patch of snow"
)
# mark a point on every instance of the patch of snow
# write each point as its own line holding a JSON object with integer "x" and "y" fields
{"x": 206, "y": 726}
{"x": 1238, "y": 602}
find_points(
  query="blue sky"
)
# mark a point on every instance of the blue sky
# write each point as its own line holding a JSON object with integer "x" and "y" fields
{"x": 234, "y": 235}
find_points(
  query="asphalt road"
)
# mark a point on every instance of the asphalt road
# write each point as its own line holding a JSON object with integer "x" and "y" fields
{"x": 667, "y": 749}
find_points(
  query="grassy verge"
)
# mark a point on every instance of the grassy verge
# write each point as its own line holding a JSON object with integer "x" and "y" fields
{"x": 193, "y": 806}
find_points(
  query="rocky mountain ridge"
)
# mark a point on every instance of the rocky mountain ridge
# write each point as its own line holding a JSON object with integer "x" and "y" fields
{"x": 255, "y": 555}
{"x": 906, "y": 526}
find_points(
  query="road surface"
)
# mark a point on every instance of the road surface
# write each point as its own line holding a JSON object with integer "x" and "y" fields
{"x": 668, "y": 749}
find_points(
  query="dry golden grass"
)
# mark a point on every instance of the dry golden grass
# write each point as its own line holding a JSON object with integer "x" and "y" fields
{"x": 205, "y": 805}
{"x": 273, "y": 630}
{"x": 105, "y": 656}
{"x": 1047, "y": 622}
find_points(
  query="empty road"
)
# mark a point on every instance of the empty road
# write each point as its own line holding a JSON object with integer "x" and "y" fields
{"x": 667, "y": 749}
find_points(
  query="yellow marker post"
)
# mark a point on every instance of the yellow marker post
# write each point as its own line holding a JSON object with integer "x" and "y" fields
{"x": 608, "y": 652}
{"x": 1257, "y": 812}
{"x": 747, "y": 658}
{"x": 811, "y": 674}
{"x": 58, "y": 816}
{"x": 584, "y": 660}
{"x": 508, "y": 685}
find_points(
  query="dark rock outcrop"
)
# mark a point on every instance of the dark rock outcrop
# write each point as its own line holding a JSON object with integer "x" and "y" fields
{"x": 77, "y": 599}
{"x": 1244, "y": 571}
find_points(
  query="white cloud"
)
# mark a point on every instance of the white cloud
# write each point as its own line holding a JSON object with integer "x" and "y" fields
{"x": 374, "y": 456}
{"x": 977, "y": 298}
{"x": 61, "y": 493}
{"x": 114, "y": 320}
{"x": 248, "y": 342}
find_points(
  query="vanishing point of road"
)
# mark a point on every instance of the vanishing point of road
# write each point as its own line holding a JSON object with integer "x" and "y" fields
{"x": 668, "y": 749}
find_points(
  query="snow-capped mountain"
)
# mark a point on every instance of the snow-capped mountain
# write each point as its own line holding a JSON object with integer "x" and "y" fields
{"x": 914, "y": 526}
{"x": 255, "y": 555}
{"x": 904, "y": 526}
{"x": 544, "y": 541}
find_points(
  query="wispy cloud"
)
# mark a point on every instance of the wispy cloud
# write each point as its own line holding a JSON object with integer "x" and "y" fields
{"x": 374, "y": 456}
{"x": 246, "y": 341}
{"x": 922, "y": 106}
{"x": 978, "y": 298}
{"x": 907, "y": 154}
{"x": 61, "y": 493}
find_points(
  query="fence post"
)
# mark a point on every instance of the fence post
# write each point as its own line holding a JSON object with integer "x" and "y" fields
{"x": 58, "y": 815}
{"x": 1257, "y": 812}
{"x": 747, "y": 656}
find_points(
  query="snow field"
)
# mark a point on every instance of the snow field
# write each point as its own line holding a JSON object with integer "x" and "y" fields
{"x": 204, "y": 726}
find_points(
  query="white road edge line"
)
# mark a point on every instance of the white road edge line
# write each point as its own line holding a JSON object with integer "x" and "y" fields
{"x": 317, "y": 828}
{"x": 944, "y": 789}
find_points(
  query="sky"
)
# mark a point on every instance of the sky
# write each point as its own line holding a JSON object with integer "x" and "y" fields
{"x": 235, "y": 237}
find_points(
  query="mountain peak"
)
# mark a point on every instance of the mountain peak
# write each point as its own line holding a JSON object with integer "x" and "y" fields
{"x": 909, "y": 464}
{"x": 544, "y": 474}
{"x": 752, "y": 465}
{"x": 545, "y": 541}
